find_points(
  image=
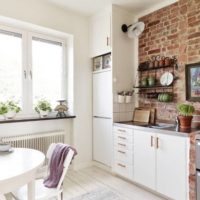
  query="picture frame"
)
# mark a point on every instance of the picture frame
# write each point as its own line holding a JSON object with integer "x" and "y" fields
{"x": 107, "y": 61}
{"x": 192, "y": 75}
{"x": 97, "y": 63}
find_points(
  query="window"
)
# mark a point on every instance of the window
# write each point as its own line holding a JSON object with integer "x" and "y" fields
{"x": 10, "y": 66}
{"x": 32, "y": 67}
{"x": 47, "y": 62}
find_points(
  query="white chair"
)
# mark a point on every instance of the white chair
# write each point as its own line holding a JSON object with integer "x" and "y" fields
{"x": 42, "y": 192}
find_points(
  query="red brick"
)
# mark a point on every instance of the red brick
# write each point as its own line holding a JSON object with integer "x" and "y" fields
{"x": 154, "y": 51}
{"x": 194, "y": 35}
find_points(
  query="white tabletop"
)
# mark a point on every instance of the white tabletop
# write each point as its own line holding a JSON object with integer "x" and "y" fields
{"x": 18, "y": 167}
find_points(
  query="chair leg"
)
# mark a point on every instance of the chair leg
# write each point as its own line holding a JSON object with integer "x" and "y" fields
{"x": 61, "y": 195}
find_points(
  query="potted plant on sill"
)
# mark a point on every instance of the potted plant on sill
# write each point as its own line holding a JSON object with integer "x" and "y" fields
{"x": 185, "y": 115}
{"x": 43, "y": 107}
{"x": 9, "y": 109}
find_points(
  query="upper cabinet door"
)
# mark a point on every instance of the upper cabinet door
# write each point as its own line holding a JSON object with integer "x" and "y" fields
{"x": 172, "y": 166}
{"x": 102, "y": 94}
{"x": 100, "y": 34}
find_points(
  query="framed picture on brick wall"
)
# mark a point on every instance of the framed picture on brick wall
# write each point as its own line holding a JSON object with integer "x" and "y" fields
{"x": 192, "y": 75}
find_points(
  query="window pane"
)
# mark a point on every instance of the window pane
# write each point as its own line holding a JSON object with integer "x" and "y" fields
{"x": 10, "y": 66}
{"x": 47, "y": 70}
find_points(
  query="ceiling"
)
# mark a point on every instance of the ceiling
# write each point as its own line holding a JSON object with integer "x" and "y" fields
{"x": 89, "y": 7}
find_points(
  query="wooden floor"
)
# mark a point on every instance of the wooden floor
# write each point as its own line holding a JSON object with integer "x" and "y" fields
{"x": 86, "y": 180}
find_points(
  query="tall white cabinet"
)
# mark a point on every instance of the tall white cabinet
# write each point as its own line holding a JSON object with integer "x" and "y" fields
{"x": 106, "y": 83}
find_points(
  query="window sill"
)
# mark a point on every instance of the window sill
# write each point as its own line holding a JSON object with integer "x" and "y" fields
{"x": 30, "y": 119}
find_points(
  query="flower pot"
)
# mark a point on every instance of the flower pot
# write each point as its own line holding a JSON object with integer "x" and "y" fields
{"x": 185, "y": 121}
{"x": 128, "y": 99}
{"x": 121, "y": 98}
{"x": 44, "y": 114}
{"x": 10, "y": 114}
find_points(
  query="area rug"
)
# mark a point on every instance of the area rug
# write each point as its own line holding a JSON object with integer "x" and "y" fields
{"x": 99, "y": 194}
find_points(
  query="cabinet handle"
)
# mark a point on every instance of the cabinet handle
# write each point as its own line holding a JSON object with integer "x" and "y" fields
{"x": 121, "y": 152}
{"x": 122, "y": 137}
{"x": 121, "y": 130}
{"x": 157, "y": 143}
{"x": 107, "y": 41}
{"x": 25, "y": 74}
{"x": 124, "y": 166}
{"x": 151, "y": 141}
{"x": 122, "y": 144}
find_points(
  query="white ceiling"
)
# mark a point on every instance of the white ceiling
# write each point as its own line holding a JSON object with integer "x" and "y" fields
{"x": 89, "y": 7}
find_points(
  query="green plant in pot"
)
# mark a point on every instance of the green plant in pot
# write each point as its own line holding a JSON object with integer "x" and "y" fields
{"x": 9, "y": 109}
{"x": 185, "y": 115}
{"x": 43, "y": 107}
{"x": 151, "y": 81}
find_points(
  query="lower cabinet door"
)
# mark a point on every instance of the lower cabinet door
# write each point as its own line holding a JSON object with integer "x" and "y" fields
{"x": 172, "y": 166}
{"x": 144, "y": 158}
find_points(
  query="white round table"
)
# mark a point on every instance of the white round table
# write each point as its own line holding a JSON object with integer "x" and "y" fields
{"x": 19, "y": 168}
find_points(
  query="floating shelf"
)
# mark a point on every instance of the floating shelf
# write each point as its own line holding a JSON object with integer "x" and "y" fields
{"x": 155, "y": 68}
{"x": 153, "y": 87}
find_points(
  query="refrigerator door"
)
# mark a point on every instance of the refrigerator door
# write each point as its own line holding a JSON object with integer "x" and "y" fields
{"x": 102, "y": 140}
{"x": 102, "y": 94}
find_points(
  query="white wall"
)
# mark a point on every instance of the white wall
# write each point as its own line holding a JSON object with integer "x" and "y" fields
{"x": 43, "y": 14}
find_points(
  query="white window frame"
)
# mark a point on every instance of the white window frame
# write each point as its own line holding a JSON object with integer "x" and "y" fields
{"x": 27, "y": 83}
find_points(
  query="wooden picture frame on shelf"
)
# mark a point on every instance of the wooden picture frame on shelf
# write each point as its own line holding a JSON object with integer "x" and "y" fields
{"x": 97, "y": 63}
{"x": 192, "y": 76}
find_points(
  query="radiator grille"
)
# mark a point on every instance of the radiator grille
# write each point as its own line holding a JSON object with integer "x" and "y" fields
{"x": 38, "y": 141}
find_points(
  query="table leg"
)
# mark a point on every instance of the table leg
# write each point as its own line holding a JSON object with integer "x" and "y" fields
{"x": 31, "y": 190}
{"x": 2, "y": 197}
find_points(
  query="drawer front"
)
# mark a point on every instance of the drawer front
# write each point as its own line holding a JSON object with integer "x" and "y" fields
{"x": 124, "y": 156}
{"x": 123, "y": 169}
{"x": 123, "y": 145}
{"x": 121, "y": 130}
{"x": 123, "y": 138}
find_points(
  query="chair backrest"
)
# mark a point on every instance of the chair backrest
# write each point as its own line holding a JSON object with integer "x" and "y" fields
{"x": 66, "y": 163}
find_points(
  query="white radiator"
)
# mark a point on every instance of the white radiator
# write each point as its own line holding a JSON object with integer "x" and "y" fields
{"x": 38, "y": 141}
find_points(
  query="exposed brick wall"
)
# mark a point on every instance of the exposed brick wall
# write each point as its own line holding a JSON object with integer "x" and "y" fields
{"x": 173, "y": 30}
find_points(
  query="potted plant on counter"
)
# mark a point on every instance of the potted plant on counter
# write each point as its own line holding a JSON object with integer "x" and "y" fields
{"x": 185, "y": 115}
{"x": 9, "y": 109}
{"x": 43, "y": 107}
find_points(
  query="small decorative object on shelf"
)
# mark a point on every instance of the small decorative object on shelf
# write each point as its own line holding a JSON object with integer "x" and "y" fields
{"x": 61, "y": 108}
{"x": 165, "y": 97}
{"x": 9, "y": 109}
{"x": 185, "y": 115}
{"x": 43, "y": 107}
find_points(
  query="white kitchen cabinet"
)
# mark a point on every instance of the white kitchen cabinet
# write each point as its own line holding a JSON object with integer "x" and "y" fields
{"x": 102, "y": 94}
{"x": 123, "y": 152}
{"x": 160, "y": 163}
{"x": 102, "y": 140}
{"x": 172, "y": 166}
{"x": 144, "y": 158}
{"x": 100, "y": 33}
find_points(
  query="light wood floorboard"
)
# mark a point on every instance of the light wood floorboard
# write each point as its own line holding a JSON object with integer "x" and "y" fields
{"x": 89, "y": 179}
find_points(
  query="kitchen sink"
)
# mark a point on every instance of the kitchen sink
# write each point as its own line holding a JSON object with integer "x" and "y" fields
{"x": 161, "y": 126}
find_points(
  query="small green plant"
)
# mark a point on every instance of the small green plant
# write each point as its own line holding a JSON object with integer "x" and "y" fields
{"x": 5, "y": 107}
{"x": 43, "y": 105}
{"x": 185, "y": 109}
{"x": 13, "y": 106}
